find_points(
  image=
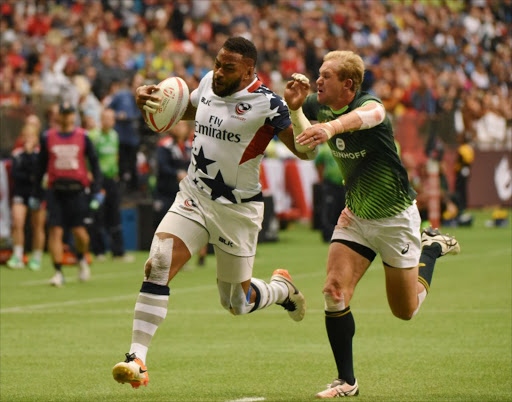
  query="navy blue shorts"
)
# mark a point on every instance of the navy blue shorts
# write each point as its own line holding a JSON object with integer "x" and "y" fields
{"x": 67, "y": 209}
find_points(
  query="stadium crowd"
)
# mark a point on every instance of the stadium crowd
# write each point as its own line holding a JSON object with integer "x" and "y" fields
{"x": 435, "y": 57}
{"x": 432, "y": 56}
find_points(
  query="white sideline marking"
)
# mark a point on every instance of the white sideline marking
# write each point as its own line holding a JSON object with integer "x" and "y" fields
{"x": 21, "y": 309}
{"x": 248, "y": 399}
{"x": 37, "y": 282}
{"x": 133, "y": 296}
{"x": 94, "y": 277}
{"x": 319, "y": 272}
{"x": 220, "y": 311}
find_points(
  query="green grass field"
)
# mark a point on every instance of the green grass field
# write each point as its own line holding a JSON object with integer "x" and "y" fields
{"x": 61, "y": 344}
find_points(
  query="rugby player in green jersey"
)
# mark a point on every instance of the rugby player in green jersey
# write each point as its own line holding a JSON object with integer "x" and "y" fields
{"x": 380, "y": 215}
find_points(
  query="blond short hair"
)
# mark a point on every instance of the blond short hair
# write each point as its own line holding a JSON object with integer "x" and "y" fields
{"x": 348, "y": 65}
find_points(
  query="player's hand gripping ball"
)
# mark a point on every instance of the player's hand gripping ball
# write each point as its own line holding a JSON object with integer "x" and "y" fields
{"x": 174, "y": 94}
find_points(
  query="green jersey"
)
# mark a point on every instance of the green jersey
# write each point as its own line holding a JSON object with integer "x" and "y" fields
{"x": 376, "y": 182}
{"x": 107, "y": 149}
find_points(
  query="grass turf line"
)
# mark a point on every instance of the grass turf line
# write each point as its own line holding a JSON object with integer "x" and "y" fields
{"x": 60, "y": 344}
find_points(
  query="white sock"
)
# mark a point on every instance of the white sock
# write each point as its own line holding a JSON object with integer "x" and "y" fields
{"x": 270, "y": 293}
{"x": 18, "y": 251}
{"x": 150, "y": 311}
{"x": 37, "y": 255}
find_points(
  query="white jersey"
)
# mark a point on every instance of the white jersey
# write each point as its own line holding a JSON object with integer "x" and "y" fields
{"x": 230, "y": 136}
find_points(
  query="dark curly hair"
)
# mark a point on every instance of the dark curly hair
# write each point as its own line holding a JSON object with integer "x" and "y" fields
{"x": 241, "y": 46}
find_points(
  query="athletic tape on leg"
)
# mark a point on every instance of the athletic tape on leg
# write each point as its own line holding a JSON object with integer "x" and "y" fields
{"x": 421, "y": 297}
{"x": 332, "y": 305}
{"x": 161, "y": 258}
{"x": 238, "y": 300}
{"x": 224, "y": 294}
{"x": 233, "y": 298}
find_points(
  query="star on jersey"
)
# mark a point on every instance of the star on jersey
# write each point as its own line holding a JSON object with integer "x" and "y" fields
{"x": 278, "y": 108}
{"x": 219, "y": 188}
{"x": 274, "y": 112}
{"x": 202, "y": 162}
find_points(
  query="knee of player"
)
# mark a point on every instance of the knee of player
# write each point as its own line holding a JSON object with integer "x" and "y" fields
{"x": 157, "y": 266}
{"x": 405, "y": 315}
{"x": 337, "y": 291}
{"x": 147, "y": 265}
{"x": 225, "y": 304}
{"x": 238, "y": 309}
{"x": 238, "y": 302}
{"x": 334, "y": 300}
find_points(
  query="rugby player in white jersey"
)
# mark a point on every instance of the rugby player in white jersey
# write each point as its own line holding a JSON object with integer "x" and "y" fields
{"x": 381, "y": 215}
{"x": 219, "y": 201}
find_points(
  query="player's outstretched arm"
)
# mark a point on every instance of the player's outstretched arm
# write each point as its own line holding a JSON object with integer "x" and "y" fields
{"x": 295, "y": 94}
{"x": 190, "y": 113}
{"x": 288, "y": 139}
{"x": 364, "y": 117}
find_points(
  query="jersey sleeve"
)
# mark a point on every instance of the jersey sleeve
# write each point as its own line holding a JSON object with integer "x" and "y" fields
{"x": 364, "y": 99}
{"x": 195, "y": 96}
{"x": 310, "y": 107}
{"x": 279, "y": 117}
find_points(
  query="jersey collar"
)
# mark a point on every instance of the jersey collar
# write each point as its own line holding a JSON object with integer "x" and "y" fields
{"x": 253, "y": 86}
{"x": 339, "y": 111}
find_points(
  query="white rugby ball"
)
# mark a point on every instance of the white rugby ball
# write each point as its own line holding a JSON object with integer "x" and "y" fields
{"x": 174, "y": 96}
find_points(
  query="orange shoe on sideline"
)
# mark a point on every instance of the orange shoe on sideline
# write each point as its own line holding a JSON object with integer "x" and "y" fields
{"x": 295, "y": 303}
{"x": 132, "y": 370}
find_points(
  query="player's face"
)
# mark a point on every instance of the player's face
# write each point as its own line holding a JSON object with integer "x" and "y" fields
{"x": 108, "y": 119}
{"x": 330, "y": 88}
{"x": 67, "y": 121}
{"x": 30, "y": 138}
{"x": 229, "y": 70}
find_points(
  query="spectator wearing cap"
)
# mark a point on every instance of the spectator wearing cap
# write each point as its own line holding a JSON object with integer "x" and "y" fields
{"x": 64, "y": 153}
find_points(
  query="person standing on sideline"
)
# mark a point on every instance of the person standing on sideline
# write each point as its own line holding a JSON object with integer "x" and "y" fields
{"x": 172, "y": 159}
{"x": 64, "y": 155}
{"x": 219, "y": 201}
{"x": 24, "y": 167}
{"x": 108, "y": 216}
{"x": 380, "y": 215}
{"x": 332, "y": 190}
{"x": 127, "y": 127}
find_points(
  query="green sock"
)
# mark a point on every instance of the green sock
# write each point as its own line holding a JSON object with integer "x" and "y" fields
{"x": 341, "y": 327}
{"x": 428, "y": 258}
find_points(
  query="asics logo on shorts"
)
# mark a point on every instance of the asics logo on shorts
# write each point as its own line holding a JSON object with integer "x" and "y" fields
{"x": 405, "y": 249}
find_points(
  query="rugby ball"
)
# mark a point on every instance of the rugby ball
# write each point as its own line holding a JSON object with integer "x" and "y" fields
{"x": 174, "y": 96}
